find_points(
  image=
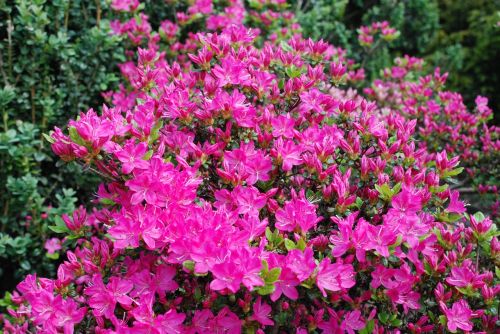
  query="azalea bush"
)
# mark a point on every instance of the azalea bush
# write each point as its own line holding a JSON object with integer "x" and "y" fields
{"x": 460, "y": 37}
{"x": 247, "y": 186}
{"x": 444, "y": 123}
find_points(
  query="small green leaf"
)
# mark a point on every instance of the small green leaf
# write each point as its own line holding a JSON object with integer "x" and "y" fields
{"x": 48, "y": 138}
{"x": 265, "y": 290}
{"x": 289, "y": 244}
{"x": 273, "y": 275}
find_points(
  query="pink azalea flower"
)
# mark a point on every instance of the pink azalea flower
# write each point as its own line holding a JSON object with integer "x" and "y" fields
{"x": 52, "y": 245}
{"x": 225, "y": 322}
{"x": 103, "y": 298}
{"x": 298, "y": 212}
{"x": 286, "y": 285}
{"x": 353, "y": 321}
{"x": 170, "y": 322}
{"x": 465, "y": 276}
{"x": 334, "y": 277}
{"x": 69, "y": 315}
{"x": 455, "y": 206}
{"x": 283, "y": 125}
{"x": 131, "y": 156}
{"x": 301, "y": 263}
{"x": 287, "y": 153}
{"x": 125, "y": 5}
{"x": 458, "y": 317}
{"x": 261, "y": 313}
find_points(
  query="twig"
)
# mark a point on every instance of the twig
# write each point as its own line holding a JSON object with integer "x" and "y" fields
{"x": 10, "y": 29}
{"x": 98, "y": 14}
{"x": 33, "y": 115}
{"x": 468, "y": 190}
{"x": 2, "y": 71}
{"x": 66, "y": 15}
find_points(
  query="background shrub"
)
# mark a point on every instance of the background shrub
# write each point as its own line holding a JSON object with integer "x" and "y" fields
{"x": 55, "y": 59}
{"x": 461, "y": 37}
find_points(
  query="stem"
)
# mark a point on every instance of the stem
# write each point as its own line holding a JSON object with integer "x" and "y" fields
{"x": 33, "y": 115}
{"x": 2, "y": 71}
{"x": 477, "y": 257}
{"x": 98, "y": 14}
{"x": 5, "y": 211}
{"x": 368, "y": 54}
{"x": 10, "y": 29}
{"x": 66, "y": 16}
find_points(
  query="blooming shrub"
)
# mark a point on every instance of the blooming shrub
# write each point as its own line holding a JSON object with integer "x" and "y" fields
{"x": 444, "y": 123}
{"x": 242, "y": 193}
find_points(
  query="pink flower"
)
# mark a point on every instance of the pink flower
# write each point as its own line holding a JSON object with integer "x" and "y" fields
{"x": 283, "y": 125}
{"x": 334, "y": 277}
{"x": 465, "y": 276}
{"x": 131, "y": 156}
{"x": 287, "y": 153}
{"x": 69, "y": 315}
{"x": 455, "y": 206}
{"x": 103, "y": 298}
{"x": 301, "y": 263}
{"x": 298, "y": 212}
{"x": 458, "y": 317}
{"x": 380, "y": 238}
{"x": 52, "y": 245}
{"x": 353, "y": 321}
{"x": 170, "y": 322}
{"x": 286, "y": 285}
{"x": 261, "y": 312}
{"x": 125, "y": 5}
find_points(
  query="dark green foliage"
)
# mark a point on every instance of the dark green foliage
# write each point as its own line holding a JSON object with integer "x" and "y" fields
{"x": 56, "y": 57}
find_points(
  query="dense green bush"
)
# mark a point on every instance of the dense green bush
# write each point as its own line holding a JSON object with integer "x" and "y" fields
{"x": 55, "y": 59}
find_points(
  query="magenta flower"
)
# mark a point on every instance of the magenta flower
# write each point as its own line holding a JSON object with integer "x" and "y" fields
{"x": 353, "y": 321}
{"x": 298, "y": 212}
{"x": 455, "y": 206}
{"x": 286, "y": 285}
{"x": 52, "y": 245}
{"x": 287, "y": 153}
{"x": 380, "y": 238}
{"x": 131, "y": 156}
{"x": 459, "y": 316}
{"x": 465, "y": 276}
{"x": 170, "y": 322}
{"x": 301, "y": 263}
{"x": 334, "y": 277}
{"x": 103, "y": 299}
{"x": 261, "y": 313}
{"x": 125, "y": 5}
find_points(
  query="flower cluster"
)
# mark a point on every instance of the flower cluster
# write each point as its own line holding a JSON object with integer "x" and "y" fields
{"x": 443, "y": 123}
{"x": 367, "y": 34}
{"x": 242, "y": 193}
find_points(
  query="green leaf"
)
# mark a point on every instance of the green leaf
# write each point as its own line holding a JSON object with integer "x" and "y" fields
{"x": 273, "y": 275}
{"x": 265, "y": 290}
{"x": 48, "y": 138}
{"x": 60, "y": 226}
{"x": 370, "y": 325}
{"x": 289, "y": 244}
{"x": 269, "y": 235}
{"x": 59, "y": 229}
{"x": 53, "y": 256}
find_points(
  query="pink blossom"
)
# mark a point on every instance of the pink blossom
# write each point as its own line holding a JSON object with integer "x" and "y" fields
{"x": 52, "y": 245}
{"x": 261, "y": 312}
{"x": 334, "y": 277}
{"x": 458, "y": 317}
